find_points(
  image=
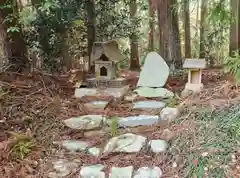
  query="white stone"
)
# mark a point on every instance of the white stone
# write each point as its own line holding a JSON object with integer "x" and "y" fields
{"x": 80, "y": 92}
{"x": 146, "y": 172}
{"x": 154, "y": 92}
{"x": 63, "y": 168}
{"x": 92, "y": 171}
{"x": 75, "y": 145}
{"x": 94, "y": 151}
{"x": 169, "y": 114}
{"x": 158, "y": 146}
{"x": 129, "y": 143}
{"x": 186, "y": 93}
{"x": 121, "y": 172}
{"x": 96, "y": 104}
{"x": 130, "y": 97}
{"x": 141, "y": 120}
{"x": 174, "y": 164}
{"x": 86, "y": 122}
{"x": 155, "y": 71}
{"x": 115, "y": 92}
{"x": 150, "y": 104}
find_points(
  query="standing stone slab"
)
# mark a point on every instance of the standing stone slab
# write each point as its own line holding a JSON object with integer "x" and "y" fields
{"x": 155, "y": 71}
{"x": 147, "y": 172}
{"x": 154, "y": 92}
{"x": 128, "y": 143}
{"x": 92, "y": 171}
{"x": 86, "y": 122}
{"x": 158, "y": 146}
{"x": 149, "y": 104}
{"x": 141, "y": 120}
{"x": 121, "y": 172}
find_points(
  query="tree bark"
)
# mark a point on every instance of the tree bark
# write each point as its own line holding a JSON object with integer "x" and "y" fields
{"x": 151, "y": 26}
{"x": 43, "y": 34}
{"x": 91, "y": 27}
{"x": 4, "y": 39}
{"x": 163, "y": 17}
{"x": 134, "y": 56}
{"x": 234, "y": 44}
{"x": 15, "y": 46}
{"x": 176, "y": 54}
{"x": 187, "y": 32}
{"x": 202, "y": 28}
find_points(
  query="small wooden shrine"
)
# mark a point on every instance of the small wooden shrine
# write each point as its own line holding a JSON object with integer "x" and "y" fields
{"x": 105, "y": 56}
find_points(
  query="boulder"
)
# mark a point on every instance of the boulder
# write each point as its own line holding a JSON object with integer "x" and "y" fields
{"x": 169, "y": 114}
{"x": 158, "y": 146}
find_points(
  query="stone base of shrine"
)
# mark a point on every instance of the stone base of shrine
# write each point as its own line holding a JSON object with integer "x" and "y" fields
{"x": 194, "y": 87}
{"x": 106, "y": 83}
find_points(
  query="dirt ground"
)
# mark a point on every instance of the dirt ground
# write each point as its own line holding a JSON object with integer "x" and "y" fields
{"x": 33, "y": 107}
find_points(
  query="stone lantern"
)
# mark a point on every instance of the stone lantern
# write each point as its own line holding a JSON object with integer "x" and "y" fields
{"x": 195, "y": 67}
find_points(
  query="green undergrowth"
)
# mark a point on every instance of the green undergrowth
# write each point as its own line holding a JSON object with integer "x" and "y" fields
{"x": 114, "y": 131}
{"x": 172, "y": 102}
{"x": 207, "y": 148}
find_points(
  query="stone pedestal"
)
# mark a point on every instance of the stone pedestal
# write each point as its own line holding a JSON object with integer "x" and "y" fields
{"x": 106, "y": 83}
{"x": 194, "y": 87}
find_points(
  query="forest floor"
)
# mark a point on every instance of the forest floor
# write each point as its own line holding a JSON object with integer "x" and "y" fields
{"x": 204, "y": 141}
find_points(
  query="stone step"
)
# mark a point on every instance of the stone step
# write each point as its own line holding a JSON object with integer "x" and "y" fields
{"x": 63, "y": 168}
{"x": 115, "y": 92}
{"x": 126, "y": 143}
{"x": 96, "y": 105}
{"x": 149, "y": 104}
{"x": 94, "y": 122}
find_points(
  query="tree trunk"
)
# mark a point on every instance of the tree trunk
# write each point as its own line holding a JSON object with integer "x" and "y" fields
{"x": 67, "y": 62}
{"x": 15, "y": 46}
{"x": 91, "y": 29}
{"x": 5, "y": 51}
{"x": 202, "y": 28}
{"x": 234, "y": 44}
{"x": 134, "y": 56}
{"x": 43, "y": 35}
{"x": 176, "y": 54}
{"x": 162, "y": 14}
{"x": 151, "y": 26}
{"x": 187, "y": 32}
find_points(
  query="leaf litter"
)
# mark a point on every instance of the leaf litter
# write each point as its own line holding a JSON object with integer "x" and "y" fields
{"x": 34, "y": 105}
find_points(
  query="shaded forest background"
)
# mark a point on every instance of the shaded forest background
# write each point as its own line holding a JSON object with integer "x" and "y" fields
{"x": 54, "y": 35}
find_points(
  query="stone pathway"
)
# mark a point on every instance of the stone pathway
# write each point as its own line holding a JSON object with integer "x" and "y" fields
{"x": 127, "y": 143}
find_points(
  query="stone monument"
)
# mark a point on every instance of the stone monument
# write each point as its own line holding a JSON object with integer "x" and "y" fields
{"x": 194, "y": 67}
{"x": 155, "y": 71}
